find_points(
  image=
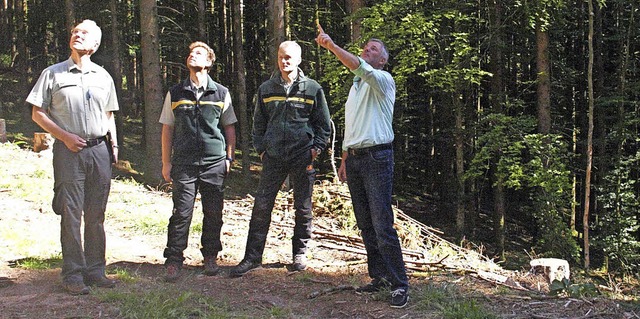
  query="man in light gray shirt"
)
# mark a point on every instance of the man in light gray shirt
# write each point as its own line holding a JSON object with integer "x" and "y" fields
{"x": 74, "y": 100}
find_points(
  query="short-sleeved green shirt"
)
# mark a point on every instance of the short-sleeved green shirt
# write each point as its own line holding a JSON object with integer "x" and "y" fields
{"x": 76, "y": 100}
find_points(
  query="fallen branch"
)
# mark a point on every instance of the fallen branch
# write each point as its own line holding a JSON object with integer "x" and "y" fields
{"x": 330, "y": 290}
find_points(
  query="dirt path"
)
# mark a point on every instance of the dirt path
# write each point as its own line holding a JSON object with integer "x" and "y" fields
{"x": 324, "y": 290}
{"x": 38, "y": 293}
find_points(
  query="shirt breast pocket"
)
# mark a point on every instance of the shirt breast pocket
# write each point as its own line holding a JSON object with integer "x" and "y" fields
{"x": 66, "y": 88}
{"x": 97, "y": 95}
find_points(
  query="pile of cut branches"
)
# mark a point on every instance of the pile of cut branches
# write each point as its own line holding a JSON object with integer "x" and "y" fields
{"x": 424, "y": 248}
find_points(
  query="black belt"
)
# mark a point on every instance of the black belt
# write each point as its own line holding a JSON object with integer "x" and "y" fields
{"x": 95, "y": 141}
{"x": 367, "y": 150}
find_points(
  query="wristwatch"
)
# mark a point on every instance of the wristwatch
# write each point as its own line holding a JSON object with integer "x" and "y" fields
{"x": 318, "y": 150}
{"x": 230, "y": 159}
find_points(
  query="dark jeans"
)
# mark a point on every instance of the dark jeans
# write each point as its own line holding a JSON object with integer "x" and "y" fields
{"x": 82, "y": 182}
{"x": 370, "y": 180}
{"x": 187, "y": 181}
{"x": 274, "y": 172}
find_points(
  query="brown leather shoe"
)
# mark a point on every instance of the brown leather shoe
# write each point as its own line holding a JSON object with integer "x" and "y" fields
{"x": 210, "y": 266}
{"x": 101, "y": 281}
{"x": 173, "y": 272}
{"x": 75, "y": 288}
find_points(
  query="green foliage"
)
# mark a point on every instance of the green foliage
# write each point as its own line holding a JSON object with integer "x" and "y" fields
{"x": 5, "y": 60}
{"x": 428, "y": 46}
{"x": 531, "y": 163}
{"x": 543, "y": 12}
{"x": 433, "y": 43}
{"x": 501, "y": 140}
{"x": 616, "y": 226}
{"x": 548, "y": 177}
{"x": 565, "y": 288}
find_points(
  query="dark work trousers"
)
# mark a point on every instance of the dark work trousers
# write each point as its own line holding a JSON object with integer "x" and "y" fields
{"x": 274, "y": 172}
{"x": 370, "y": 180}
{"x": 187, "y": 181}
{"x": 82, "y": 182}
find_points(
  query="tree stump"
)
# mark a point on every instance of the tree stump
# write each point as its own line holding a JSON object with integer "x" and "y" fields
{"x": 42, "y": 141}
{"x": 553, "y": 268}
{"x": 3, "y": 131}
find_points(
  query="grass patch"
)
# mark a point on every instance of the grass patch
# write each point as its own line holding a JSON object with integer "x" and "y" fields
{"x": 466, "y": 309}
{"x": 150, "y": 224}
{"x": 166, "y": 303}
{"x": 37, "y": 263}
{"x": 305, "y": 277}
{"x": 449, "y": 301}
{"x": 279, "y": 312}
{"x": 124, "y": 275}
{"x": 32, "y": 183}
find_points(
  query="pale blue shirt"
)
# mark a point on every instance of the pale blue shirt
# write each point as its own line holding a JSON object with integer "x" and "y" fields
{"x": 369, "y": 108}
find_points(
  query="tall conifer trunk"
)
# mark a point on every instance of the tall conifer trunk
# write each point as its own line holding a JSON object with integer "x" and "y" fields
{"x": 241, "y": 88}
{"x": 153, "y": 89}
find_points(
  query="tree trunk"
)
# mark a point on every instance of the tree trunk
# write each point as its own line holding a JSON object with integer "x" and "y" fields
{"x": 202, "y": 29}
{"x": 459, "y": 141}
{"x": 240, "y": 88}
{"x": 223, "y": 46}
{"x": 544, "y": 81}
{"x": 356, "y": 25}
{"x": 116, "y": 64}
{"x": 70, "y": 11}
{"x": 153, "y": 96}
{"x": 587, "y": 182}
{"x": 9, "y": 25}
{"x": 276, "y": 22}
{"x": 496, "y": 100}
{"x": 21, "y": 51}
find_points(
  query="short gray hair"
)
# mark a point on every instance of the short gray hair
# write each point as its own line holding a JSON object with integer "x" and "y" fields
{"x": 292, "y": 44}
{"x": 385, "y": 52}
{"x": 93, "y": 28}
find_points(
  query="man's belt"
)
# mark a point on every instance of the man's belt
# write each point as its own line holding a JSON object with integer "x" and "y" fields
{"x": 367, "y": 150}
{"x": 95, "y": 141}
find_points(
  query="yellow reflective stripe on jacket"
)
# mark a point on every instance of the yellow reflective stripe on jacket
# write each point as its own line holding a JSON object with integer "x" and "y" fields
{"x": 181, "y": 102}
{"x": 282, "y": 98}
{"x": 219, "y": 104}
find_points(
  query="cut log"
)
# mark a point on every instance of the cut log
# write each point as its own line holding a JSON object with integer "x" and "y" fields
{"x": 42, "y": 141}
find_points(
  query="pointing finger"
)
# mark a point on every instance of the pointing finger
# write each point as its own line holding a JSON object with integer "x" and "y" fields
{"x": 320, "y": 30}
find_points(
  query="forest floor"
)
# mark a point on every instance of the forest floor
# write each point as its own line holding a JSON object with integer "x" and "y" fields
{"x": 30, "y": 230}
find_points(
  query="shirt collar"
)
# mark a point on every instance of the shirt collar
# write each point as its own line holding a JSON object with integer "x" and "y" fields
{"x": 89, "y": 66}
{"x": 196, "y": 88}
